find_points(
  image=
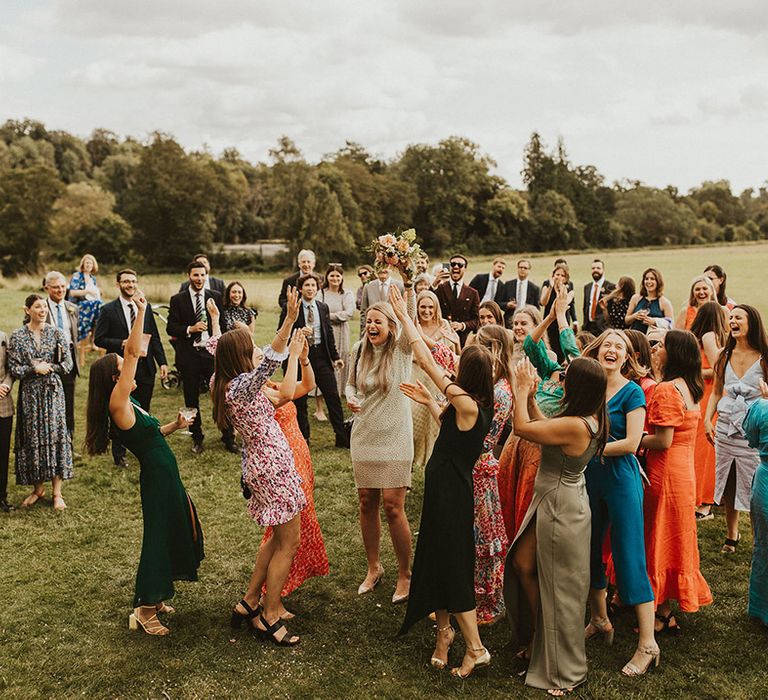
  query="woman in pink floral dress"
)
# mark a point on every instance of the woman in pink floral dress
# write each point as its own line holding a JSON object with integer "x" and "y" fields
{"x": 273, "y": 485}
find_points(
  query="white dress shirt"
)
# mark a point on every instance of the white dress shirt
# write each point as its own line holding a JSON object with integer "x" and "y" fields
{"x": 522, "y": 292}
{"x": 490, "y": 288}
{"x": 126, "y": 311}
{"x": 193, "y": 295}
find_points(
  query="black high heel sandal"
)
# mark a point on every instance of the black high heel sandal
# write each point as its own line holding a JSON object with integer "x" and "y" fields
{"x": 269, "y": 632}
{"x": 238, "y": 618}
{"x": 666, "y": 626}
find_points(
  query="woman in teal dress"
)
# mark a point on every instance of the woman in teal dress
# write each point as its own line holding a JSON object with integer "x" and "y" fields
{"x": 649, "y": 308}
{"x": 172, "y": 547}
{"x": 756, "y": 432}
{"x": 615, "y": 491}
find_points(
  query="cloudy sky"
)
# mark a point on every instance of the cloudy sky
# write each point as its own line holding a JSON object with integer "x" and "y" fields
{"x": 664, "y": 92}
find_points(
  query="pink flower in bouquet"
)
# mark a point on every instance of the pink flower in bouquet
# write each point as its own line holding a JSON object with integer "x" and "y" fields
{"x": 403, "y": 245}
{"x": 387, "y": 240}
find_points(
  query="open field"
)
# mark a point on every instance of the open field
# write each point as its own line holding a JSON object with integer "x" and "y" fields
{"x": 67, "y": 579}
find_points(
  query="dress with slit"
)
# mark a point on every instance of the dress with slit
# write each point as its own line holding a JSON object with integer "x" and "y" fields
{"x": 561, "y": 510}
{"x": 172, "y": 547}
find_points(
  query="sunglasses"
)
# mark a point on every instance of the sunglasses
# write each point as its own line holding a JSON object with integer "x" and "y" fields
{"x": 457, "y": 264}
{"x": 363, "y": 273}
{"x": 654, "y": 343}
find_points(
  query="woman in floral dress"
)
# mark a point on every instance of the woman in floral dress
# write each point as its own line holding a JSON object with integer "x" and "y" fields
{"x": 235, "y": 311}
{"x": 270, "y": 479}
{"x": 38, "y": 355}
{"x": 84, "y": 292}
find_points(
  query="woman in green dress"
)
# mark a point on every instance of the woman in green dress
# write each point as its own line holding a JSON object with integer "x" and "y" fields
{"x": 172, "y": 547}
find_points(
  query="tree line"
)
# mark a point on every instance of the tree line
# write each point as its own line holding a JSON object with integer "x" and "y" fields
{"x": 152, "y": 202}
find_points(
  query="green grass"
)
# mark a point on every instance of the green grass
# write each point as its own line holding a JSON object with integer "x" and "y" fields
{"x": 66, "y": 580}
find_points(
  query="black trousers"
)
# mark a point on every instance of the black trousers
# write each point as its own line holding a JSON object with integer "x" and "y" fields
{"x": 198, "y": 369}
{"x": 325, "y": 378}
{"x": 143, "y": 394}
{"x": 68, "y": 380}
{"x": 5, "y": 451}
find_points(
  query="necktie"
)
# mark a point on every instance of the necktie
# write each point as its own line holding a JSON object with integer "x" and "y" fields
{"x": 383, "y": 290}
{"x": 311, "y": 322}
{"x": 132, "y": 313}
{"x": 59, "y": 318}
{"x": 593, "y": 305}
{"x": 456, "y": 289}
{"x": 199, "y": 307}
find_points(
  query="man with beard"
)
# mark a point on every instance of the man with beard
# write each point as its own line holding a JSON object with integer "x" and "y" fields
{"x": 594, "y": 321}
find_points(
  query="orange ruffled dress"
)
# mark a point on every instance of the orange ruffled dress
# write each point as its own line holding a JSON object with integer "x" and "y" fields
{"x": 518, "y": 466}
{"x": 704, "y": 459}
{"x": 311, "y": 558}
{"x": 671, "y": 544}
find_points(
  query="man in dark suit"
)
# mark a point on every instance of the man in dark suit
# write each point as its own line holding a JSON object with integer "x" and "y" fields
{"x": 489, "y": 286}
{"x": 459, "y": 303}
{"x": 306, "y": 262}
{"x": 315, "y": 322}
{"x": 213, "y": 283}
{"x": 519, "y": 292}
{"x": 189, "y": 323}
{"x": 112, "y": 329}
{"x": 63, "y": 315}
{"x": 594, "y": 321}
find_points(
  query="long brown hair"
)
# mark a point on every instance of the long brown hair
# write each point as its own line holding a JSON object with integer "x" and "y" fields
{"x": 722, "y": 297}
{"x": 234, "y": 356}
{"x": 684, "y": 361}
{"x": 584, "y": 395}
{"x": 495, "y": 310}
{"x": 659, "y": 282}
{"x": 756, "y": 339}
{"x": 711, "y": 318}
{"x": 497, "y": 340}
{"x": 625, "y": 289}
{"x": 475, "y": 375}
{"x": 383, "y": 377}
{"x": 642, "y": 349}
{"x": 101, "y": 383}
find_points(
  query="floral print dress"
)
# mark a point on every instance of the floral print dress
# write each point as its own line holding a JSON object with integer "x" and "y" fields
{"x": 490, "y": 534}
{"x": 88, "y": 307}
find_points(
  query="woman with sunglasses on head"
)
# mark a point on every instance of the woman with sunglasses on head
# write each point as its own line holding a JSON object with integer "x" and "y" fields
{"x": 711, "y": 330}
{"x": 615, "y": 492}
{"x": 741, "y": 365}
{"x": 341, "y": 305}
{"x": 547, "y": 573}
{"x": 650, "y": 308}
{"x": 172, "y": 546}
{"x": 671, "y": 544}
{"x": 702, "y": 291}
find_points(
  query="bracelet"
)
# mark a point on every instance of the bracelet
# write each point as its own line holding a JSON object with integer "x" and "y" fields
{"x": 415, "y": 340}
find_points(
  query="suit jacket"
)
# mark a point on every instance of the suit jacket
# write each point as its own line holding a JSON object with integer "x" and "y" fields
{"x": 181, "y": 314}
{"x": 328, "y": 344}
{"x": 532, "y": 296}
{"x": 599, "y": 324}
{"x": 72, "y": 313}
{"x": 112, "y": 329}
{"x": 465, "y": 309}
{"x": 289, "y": 281}
{"x": 372, "y": 295}
{"x": 215, "y": 284}
{"x": 480, "y": 283}
{"x": 6, "y": 403}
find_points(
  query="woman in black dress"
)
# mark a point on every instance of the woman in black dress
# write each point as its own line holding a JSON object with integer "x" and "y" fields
{"x": 443, "y": 567}
{"x": 616, "y": 304}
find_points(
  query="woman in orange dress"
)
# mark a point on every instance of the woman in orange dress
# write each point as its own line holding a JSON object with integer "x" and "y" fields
{"x": 702, "y": 291}
{"x": 711, "y": 330}
{"x": 671, "y": 544}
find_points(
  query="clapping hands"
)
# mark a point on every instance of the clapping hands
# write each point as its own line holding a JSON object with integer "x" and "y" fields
{"x": 526, "y": 380}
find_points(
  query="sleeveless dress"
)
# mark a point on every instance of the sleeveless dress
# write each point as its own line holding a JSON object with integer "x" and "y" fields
{"x": 704, "y": 455}
{"x": 756, "y": 430}
{"x": 616, "y": 498}
{"x": 311, "y": 558}
{"x": 731, "y": 447}
{"x": 444, "y": 563}
{"x": 654, "y": 311}
{"x": 669, "y": 507}
{"x": 561, "y": 508}
{"x": 172, "y": 548}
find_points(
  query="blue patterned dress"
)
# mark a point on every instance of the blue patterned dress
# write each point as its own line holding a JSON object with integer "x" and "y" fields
{"x": 88, "y": 309}
{"x": 756, "y": 431}
{"x": 43, "y": 446}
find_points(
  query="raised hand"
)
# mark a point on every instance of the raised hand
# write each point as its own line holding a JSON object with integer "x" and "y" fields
{"x": 298, "y": 341}
{"x": 304, "y": 350}
{"x": 562, "y": 298}
{"x": 212, "y": 309}
{"x": 417, "y": 392}
{"x": 397, "y": 301}
{"x": 526, "y": 379}
{"x": 293, "y": 304}
{"x": 140, "y": 300}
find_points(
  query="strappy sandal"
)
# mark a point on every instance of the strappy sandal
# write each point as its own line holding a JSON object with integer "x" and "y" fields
{"x": 439, "y": 664}
{"x": 238, "y": 618}
{"x": 480, "y": 662}
{"x": 165, "y": 609}
{"x": 33, "y": 498}
{"x": 601, "y": 626}
{"x": 151, "y": 626}
{"x": 559, "y": 692}
{"x": 285, "y": 616}
{"x": 666, "y": 625}
{"x": 270, "y": 631}
{"x": 729, "y": 546}
{"x": 654, "y": 659}
{"x": 59, "y": 504}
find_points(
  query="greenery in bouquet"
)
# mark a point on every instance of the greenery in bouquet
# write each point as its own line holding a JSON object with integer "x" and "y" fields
{"x": 396, "y": 250}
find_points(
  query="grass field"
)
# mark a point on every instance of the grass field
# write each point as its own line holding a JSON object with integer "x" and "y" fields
{"x": 66, "y": 580}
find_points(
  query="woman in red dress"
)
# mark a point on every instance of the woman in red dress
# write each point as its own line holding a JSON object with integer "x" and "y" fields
{"x": 711, "y": 330}
{"x": 671, "y": 545}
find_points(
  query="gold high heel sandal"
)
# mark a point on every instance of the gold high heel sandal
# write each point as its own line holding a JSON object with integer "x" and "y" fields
{"x": 480, "y": 662}
{"x": 151, "y": 625}
{"x": 654, "y": 659}
{"x": 439, "y": 664}
{"x": 601, "y": 626}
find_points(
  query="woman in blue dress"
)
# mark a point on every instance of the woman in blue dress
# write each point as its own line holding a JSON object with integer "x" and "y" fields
{"x": 615, "y": 491}
{"x": 84, "y": 291}
{"x": 650, "y": 308}
{"x": 756, "y": 431}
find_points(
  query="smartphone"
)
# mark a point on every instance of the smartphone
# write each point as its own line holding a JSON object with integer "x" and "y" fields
{"x": 446, "y": 266}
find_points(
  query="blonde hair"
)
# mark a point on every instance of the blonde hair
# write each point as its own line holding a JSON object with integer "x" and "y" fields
{"x": 631, "y": 368}
{"x": 383, "y": 378}
{"x": 90, "y": 257}
{"x": 428, "y": 294}
{"x": 701, "y": 278}
{"x": 497, "y": 340}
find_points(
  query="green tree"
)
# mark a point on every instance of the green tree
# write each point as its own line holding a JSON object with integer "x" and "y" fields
{"x": 26, "y": 203}
{"x": 556, "y": 223}
{"x": 81, "y": 205}
{"x": 108, "y": 239}
{"x": 652, "y": 217}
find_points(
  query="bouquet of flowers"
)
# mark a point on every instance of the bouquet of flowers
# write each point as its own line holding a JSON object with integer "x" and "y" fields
{"x": 396, "y": 250}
